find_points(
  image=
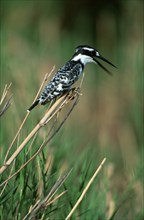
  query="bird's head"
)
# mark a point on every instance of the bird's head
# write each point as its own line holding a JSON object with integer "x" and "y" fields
{"x": 86, "y": 54}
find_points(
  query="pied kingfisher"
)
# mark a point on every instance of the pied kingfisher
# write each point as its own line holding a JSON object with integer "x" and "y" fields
{"x": 69, "y": 74}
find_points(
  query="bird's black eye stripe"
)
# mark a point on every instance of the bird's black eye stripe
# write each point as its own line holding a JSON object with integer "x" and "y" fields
{"x": 87, "y": 52}
{"x": 82, "y": 51}
{"x": 93, "y": 53}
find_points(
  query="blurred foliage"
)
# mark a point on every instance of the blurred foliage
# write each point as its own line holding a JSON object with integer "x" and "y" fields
{"x": 35, "y": 35}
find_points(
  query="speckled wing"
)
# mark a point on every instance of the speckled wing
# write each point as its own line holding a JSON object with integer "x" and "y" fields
{"x": 61, "y": 82}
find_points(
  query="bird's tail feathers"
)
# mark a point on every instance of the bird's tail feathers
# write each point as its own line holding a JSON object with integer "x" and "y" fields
{"x": 33, "y": 105}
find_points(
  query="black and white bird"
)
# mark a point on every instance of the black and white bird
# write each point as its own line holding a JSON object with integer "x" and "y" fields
{"x": 69, "y": 74}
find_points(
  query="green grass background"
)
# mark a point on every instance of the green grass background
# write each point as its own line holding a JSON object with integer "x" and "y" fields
{"x": 107, "y": 122}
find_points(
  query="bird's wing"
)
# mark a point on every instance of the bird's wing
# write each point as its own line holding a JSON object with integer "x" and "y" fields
{"x": 72, "y": 75}
{"x": 62, "y": 81}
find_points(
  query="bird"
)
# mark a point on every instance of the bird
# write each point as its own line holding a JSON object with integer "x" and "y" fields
{"x": 68, "y": 74}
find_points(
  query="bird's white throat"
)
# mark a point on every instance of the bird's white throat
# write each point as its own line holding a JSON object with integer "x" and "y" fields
{"x": 83, "y": 58}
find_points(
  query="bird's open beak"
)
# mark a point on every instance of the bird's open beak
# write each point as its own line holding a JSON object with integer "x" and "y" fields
{"x": 102, "y": 58}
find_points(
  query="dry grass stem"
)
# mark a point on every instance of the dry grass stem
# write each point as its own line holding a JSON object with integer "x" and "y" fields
{"x": 81, "y": 82}
{"x": 8, "y": 103}
{"x": 56, "y": 198}
{"x": 5, "y": 91}
{"x": 6, "y": 106}
{"x": 47, "y": 75}
{"x": 47, "y": 200}
{"x": 21, "y": 126}
{"x": 46, "y": 141}
{"x": 86, "y": 189}
{"x": 7, "y": 181}
{"x": 43, "y": 121}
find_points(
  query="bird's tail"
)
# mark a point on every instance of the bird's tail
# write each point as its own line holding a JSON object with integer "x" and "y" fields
{"x": 33, "y": 105}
